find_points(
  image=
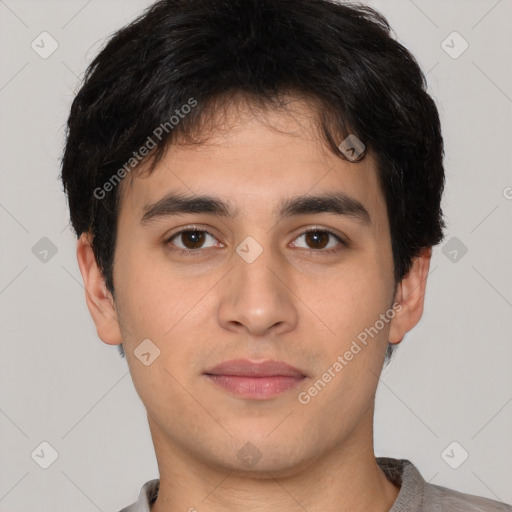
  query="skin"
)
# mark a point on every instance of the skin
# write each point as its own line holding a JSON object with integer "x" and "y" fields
{"x": 294, "y": 303}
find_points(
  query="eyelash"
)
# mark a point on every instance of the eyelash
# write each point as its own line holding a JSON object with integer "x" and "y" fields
{"x": 197, "y": 252}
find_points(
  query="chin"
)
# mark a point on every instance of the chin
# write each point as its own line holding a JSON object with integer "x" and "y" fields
{"x": 259, "y": 455}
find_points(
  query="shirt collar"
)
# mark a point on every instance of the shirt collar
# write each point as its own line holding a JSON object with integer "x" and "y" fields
{"x": 400, "y": 472}
{"x": 147, "y": 497}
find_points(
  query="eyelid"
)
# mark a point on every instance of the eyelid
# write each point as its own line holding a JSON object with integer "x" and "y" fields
{"x": 336, "y": 234}
{"x": 191, "y": 227}
{"x": 186, "y": 229}
{"x": 343, "y": 240}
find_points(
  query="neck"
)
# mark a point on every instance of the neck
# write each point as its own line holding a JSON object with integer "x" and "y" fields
{"x": 347, "y": 478}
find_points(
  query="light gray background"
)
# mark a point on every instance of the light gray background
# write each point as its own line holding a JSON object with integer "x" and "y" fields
{"x": 451, "y": 378}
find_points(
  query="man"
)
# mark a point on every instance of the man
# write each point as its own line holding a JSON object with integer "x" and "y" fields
{"x": 256, "y": 189}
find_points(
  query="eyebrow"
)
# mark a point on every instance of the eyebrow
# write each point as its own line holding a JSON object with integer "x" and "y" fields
{"x": 174, "y": 204}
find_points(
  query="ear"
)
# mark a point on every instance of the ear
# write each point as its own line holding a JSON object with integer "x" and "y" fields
{"x": 99, "y": 300}
{"x": 410, "y": 297}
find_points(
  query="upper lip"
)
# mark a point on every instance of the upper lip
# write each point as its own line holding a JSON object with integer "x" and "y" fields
{"x": 246, "y": 368}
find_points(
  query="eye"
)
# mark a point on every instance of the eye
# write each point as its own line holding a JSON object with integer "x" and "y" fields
{"x": 322, "y": 240}
{"x": 190, "y": 240}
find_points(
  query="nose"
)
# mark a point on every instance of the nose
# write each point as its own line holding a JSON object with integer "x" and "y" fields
{"x": 257, "y": 298}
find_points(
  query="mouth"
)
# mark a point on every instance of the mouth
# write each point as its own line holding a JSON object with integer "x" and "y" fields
{"x": 255, "y": 380}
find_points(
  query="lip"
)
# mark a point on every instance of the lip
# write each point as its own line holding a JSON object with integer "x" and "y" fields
{"x": 255, "y": 380}
{"x": 246, "y": 368}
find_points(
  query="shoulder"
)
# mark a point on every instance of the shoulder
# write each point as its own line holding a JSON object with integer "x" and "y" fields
{"x": 416, "y": 495}
{"x": 437, "y": 498}
{"x": 147, "y": 497}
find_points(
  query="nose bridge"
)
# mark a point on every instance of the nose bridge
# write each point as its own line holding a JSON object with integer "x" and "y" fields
{"x": 257, "y": 297}
{"x": 256, "y": 266}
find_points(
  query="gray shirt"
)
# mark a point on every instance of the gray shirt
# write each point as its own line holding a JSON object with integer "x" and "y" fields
{"x": 415, "y": 494}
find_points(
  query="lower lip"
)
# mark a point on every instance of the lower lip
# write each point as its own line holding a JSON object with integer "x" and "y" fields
{"x": 256, "y": 388}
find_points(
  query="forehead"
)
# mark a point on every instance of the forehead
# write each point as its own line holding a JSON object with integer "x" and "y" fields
{"x": 253, "y": 159}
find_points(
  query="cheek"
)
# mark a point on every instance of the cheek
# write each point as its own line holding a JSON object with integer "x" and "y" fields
{"x": 150, "y": 296}
{"x": 351, "y": 298}
{"x": 352, "y": 349}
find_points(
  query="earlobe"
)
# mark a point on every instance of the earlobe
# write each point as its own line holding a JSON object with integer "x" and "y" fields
{"x": 99, "y": 300}
{"x": 410, "y": 297}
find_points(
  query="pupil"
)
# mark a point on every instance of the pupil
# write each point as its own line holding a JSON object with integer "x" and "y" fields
{"x": 195, "y": 237}
{"x": 316, "y": 237}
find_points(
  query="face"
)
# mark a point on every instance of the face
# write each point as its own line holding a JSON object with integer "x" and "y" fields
{"x": 265, "y": 278}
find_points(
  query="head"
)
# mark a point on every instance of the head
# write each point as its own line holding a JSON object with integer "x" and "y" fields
{"x": 250, "y": 123}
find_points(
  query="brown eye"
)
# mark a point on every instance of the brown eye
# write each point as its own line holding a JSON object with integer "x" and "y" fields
{"x": 317, "y": 239}
{"x": 321, "y": 241}
{"x": 193, "y": 239}
{"x": 190, "y": 239}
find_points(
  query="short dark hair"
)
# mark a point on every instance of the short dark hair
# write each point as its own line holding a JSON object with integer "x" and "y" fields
{"x": 341, "y": 58}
